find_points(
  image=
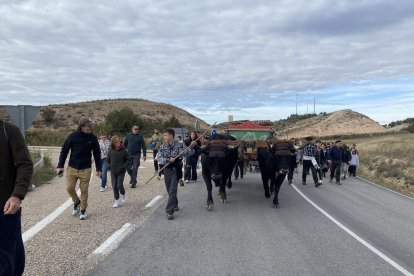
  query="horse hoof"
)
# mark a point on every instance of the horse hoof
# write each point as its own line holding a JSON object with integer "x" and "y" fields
{"x": 275, "y": 206}
{"x": 210, "y": 207}
{"x": 267, "y": 195}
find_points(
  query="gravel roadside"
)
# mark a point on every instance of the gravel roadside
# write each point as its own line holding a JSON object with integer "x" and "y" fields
{"x": 65, "y": 246}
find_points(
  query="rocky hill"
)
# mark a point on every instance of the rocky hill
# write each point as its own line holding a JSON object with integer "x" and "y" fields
{"x": 67, "y": 115}
{"x": 343, "y": 122}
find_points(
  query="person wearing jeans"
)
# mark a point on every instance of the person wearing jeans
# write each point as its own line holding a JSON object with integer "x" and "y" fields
{"x": 16, "y": 169}
{"x": 104, "y": 145}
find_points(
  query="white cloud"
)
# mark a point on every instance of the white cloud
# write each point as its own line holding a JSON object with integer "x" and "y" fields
{"x": 219, "y": 56}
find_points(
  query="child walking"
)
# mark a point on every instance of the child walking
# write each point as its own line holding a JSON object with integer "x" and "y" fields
{"x": 118, "y": 160}
{"x": 167, "y": 156}
{"x": 354, "y": 163}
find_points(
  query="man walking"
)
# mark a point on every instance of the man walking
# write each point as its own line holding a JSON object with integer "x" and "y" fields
{"x": 335, "y": 160}
{"x": 167, "y": 156}
{"x": 134, "y": 142}
{"x": 81, "y": 144}
{"x": 16, "y": 169}
{"x": 309, "y": 161}
{"x": 155, "y": 143}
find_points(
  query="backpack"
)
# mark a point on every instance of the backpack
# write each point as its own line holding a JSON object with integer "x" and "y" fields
{"x": 152, "y": 144}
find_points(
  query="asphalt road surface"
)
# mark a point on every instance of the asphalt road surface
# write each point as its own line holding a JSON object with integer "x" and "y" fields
{"x": 246, "y": 236}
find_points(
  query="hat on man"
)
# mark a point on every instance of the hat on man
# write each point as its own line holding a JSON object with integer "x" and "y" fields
{"x": 309, "y": 138}
{"x": 338, "y": 141}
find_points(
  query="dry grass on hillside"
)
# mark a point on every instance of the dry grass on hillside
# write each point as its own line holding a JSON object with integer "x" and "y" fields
{"x": 388, "y": 160}
{"x": 67, "y": 115}
{"x": 343, "y": 122}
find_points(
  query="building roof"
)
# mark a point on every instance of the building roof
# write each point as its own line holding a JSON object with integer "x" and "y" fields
{"x": 248, "y": 125}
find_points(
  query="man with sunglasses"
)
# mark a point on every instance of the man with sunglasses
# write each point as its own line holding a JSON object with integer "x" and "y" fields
{"x": 134, "y": 143}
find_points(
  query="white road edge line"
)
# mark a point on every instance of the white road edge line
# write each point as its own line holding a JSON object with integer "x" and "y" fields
{"x": 355, "y": 236}
{"x": 153, "y": 201}
{"x": 388, "y": 189}
{"x": 30, "y": 233}
{"x": 113, "y": 241}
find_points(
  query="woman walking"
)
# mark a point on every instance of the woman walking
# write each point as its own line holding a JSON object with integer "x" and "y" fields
{"x": 118, "y": 160}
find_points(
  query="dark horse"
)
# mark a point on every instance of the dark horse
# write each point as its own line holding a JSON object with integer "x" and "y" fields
{"x": 217, "y": 160}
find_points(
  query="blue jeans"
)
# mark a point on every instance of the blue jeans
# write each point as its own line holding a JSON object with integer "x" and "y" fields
{"x": 104, "y": 173}
{"x": 12, "y": 256}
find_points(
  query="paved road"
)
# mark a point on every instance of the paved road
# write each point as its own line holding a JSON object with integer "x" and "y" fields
{"x": 247, "y": 237}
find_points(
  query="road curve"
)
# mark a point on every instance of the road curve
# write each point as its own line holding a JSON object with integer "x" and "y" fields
{"x": 246, "y": 236}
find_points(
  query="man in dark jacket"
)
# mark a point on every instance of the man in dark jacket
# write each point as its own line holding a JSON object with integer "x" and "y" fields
{"x": 309, "y": 161}
{"x": 80, "y": 143}
{"x": 168, "y": 159}
{"x": 16, "y": 169}
{"x": 335, "y": 160}
{"x": 134, "y": 142}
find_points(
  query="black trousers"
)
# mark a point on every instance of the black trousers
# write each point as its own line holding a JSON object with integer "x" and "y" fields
{"x": 171, "y": 183}
{"x": 292, "y": 166}
{"x": 156, "y": 167}
{"x": 307, "y": 164}
{"x": 12, "y": 256}
{"x": 336, "y": 170}
{"x": 352, "y": 170}
{"x": 238, "y": 169}
{"x": 118, "y": 184}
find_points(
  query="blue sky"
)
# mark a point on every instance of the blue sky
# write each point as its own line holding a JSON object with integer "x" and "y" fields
{"x": 213, "y": 58}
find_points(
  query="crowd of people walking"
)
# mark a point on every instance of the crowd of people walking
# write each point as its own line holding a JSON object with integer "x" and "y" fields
{"x": 320, "y": 158}
{"x": 120, "y": 156}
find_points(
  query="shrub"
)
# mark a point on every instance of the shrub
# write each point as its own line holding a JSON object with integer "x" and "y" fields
{"x": 48, "y": 115}
{"x": 172, "y": 122}
{"x": 46, "y": 137}
{"x": 121, "y": 121}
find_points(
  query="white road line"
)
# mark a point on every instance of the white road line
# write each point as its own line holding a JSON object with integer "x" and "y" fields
{"x": 153, "y": 201}
{"x": 30, "y": 233}
{"x": 355, "y": 236}
{"x": 388, "y": 189}
{"x": 113, "y": 241}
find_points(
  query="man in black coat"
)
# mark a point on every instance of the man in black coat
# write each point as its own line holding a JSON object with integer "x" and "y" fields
{"x": 80, "y": 143}
{"x": 16, "y": 170}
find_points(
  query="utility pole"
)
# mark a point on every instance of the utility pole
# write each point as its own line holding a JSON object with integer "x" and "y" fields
{"x": 314, "y": 105}
{"x": 296, "y": 104}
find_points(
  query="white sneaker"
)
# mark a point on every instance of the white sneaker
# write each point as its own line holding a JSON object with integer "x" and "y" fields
{"x": 103, "y": 189}
{"x": 124, "y": 199}
{"x": 320, "y": 181}
{"x": 116, "y": 204}
{"x": 186, "y": 181}
{"x": 76, "y": 209}
{"x": 83, "y": 215}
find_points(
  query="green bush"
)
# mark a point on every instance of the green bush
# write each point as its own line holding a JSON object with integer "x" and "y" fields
{"x": 410, "y": 128}
{"x": 172, "y": 122}
{"x": 46, "y": 137}
{"x": 120, "y": 121}
{"x": 48, "y": 115}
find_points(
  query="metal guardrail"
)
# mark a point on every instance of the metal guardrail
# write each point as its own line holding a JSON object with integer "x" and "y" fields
{"x": 39, "y": 163}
